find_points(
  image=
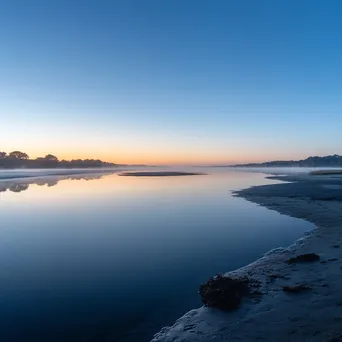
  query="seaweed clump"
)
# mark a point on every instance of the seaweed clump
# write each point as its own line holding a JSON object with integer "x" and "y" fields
{"x": 309, "y": 257}
{"x": 296, "y": 288}
{"x": 224, "y": 293}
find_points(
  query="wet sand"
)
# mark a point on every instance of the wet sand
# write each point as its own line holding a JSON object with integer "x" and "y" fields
{"x": 313, "y": 315}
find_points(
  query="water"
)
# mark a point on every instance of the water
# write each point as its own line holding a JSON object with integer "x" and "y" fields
{"x": 116, "y": 258}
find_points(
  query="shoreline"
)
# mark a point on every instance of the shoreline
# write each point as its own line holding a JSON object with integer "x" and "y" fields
{"x": 314, "y": 315}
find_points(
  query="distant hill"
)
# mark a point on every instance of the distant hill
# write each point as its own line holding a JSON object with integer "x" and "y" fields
{"x": 327, "y": 161}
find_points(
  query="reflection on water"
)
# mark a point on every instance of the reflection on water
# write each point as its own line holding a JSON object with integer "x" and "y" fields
{"x": 117, "y": 258}
{"x": 22, "y": 185}
{"x": 16, "y": 188}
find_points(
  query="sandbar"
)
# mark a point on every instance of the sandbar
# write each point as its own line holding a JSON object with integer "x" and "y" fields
{"x": 160, "y": 174}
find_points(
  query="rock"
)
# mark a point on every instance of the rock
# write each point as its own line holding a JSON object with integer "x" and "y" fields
{"x": 309, "y": 257}
{"x": 332, "y": 259}
{"x": 296, "y": 288}
{"x": 276, "y": 276}
{"x": 224, "y": 293}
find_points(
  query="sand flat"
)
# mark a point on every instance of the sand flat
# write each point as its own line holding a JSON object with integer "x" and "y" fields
{"x": 159, "y": 174}
{"x": 314, "y": 315}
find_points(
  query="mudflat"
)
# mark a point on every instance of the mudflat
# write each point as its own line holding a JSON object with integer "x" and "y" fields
{"x": 159, "y": 174}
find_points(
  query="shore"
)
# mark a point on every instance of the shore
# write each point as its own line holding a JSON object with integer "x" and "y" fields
{"x": 313, "y": 315}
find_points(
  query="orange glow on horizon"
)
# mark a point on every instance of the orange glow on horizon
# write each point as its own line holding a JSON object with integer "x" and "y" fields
{"x": 159, "y": 155}
{"x": 165, "y": 158}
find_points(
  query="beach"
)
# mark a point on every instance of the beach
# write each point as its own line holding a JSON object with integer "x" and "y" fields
{"x": 276, "y": 315}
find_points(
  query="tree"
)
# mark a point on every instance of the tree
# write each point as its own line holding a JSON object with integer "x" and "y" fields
{"x": 51, "y": 157}
{"x": 18, "y": 155}
{"x": 3, "y": 155}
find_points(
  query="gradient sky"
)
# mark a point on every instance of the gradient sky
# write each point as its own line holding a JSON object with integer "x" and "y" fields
{"x": 171, "y": 81}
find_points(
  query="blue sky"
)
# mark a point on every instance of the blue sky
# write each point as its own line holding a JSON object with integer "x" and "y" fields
{"x": 179, "y": 81}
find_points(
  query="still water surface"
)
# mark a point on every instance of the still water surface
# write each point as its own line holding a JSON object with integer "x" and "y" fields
{"x": 117, "y": 258}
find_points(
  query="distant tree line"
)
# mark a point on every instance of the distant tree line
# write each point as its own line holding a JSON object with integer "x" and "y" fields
{"x": 21, "y": 160}
{"x": 327, "y": 161}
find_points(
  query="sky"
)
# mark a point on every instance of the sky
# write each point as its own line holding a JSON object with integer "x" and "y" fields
{"x": 171, "y": 81}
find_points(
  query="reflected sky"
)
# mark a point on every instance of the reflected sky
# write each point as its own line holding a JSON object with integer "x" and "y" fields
{"x": 116, "y": 258}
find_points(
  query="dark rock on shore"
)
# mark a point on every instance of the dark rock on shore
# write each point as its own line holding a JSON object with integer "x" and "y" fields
{"x": 224, "y": 293}
{"x": 296, "y": 288}
{"x": 309, "y": 257}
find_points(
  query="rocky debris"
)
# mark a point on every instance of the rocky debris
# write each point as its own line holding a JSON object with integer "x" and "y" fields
{"x": 336, "y": 338}
{"x": 308, "y": 257}
{"x": 295, "y": 288}
{"x": 328, "y": 260}
{"x": 276, "y": 276}
{"x": 224, "y": 293}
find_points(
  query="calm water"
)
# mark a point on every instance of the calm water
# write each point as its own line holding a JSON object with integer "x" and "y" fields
{"x": 117, "y": 258}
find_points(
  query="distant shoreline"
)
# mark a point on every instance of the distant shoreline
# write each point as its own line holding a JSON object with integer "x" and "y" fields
{"x": 278, "y": 316}
{"x": 332, "y": 161}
